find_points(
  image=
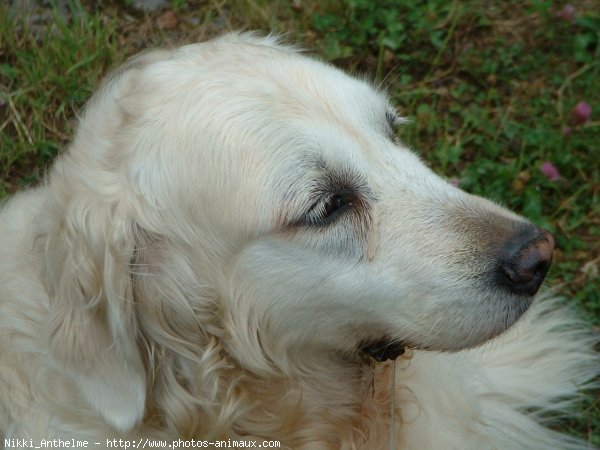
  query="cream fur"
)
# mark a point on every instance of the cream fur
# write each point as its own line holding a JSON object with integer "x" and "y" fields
{"x": 166, "y": 283}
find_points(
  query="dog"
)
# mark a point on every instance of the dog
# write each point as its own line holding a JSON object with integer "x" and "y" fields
{"x": 236, "y": 246}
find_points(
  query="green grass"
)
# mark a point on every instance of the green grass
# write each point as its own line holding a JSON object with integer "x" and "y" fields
{"x": 47, "y": 71}
{"x": 488, "y": 86}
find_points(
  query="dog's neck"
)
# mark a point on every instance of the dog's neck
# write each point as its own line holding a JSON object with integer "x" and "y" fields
{"x": 224, "y": 398}
{"x": 198, "y": 389}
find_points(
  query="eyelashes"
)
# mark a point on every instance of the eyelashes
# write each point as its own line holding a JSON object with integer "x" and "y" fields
{"x": 330, "y": 208}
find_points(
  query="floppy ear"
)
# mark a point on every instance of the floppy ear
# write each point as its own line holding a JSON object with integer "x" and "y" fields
{"x": 92, "y": 325}
{"x": 90, "y": 237}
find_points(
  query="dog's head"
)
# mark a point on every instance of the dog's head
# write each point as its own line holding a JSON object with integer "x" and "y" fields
{"x": 240, "y": 190}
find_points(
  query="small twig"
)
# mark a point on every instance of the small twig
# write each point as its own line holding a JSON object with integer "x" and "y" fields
{"x": 591, "y": 124}
{"x": 3, "y": 126}
{"x": 19, "y": 122}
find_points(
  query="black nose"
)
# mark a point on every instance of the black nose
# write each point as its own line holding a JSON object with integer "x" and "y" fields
{"x": 525, "y": 260}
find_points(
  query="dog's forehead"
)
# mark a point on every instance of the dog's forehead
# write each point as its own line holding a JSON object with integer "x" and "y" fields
{"x": 273, "y": 96}
{"x": 273, "y": 80}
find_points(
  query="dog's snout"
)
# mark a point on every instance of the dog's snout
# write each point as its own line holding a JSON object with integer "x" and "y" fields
{"x": 525, "y": 260}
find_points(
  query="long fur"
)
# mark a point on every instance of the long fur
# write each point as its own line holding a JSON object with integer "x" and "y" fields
{"x": 164, "y": 283}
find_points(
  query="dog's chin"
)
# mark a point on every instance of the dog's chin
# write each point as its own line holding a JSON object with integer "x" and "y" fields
{"x": 385, "y": 349}
{"x": 500, "y": 318}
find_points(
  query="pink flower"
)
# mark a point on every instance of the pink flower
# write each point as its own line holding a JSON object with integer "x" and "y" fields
{"x": 567, "y": 13}
{"x": 581, "y": 113}
{"x": 550, "y": 171}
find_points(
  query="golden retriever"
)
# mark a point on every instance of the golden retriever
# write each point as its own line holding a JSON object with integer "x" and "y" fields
{"x": 235, "y": 246}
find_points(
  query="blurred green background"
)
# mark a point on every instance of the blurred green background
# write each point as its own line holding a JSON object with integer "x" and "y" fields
{"x": 503, "y": 96}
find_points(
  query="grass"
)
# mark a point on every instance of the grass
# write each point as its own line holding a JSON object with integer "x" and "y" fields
{"x": 489, "y": 88}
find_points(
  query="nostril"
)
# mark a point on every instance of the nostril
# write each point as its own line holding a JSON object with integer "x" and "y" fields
{"x": 529, "y": 260}
{"x": 525, "y": 262}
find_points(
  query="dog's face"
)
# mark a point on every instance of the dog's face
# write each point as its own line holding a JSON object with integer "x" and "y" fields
{"x": 278, "y": 178}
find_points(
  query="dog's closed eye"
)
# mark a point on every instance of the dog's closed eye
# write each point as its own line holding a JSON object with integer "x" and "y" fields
{"x": 330, "y": 207}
